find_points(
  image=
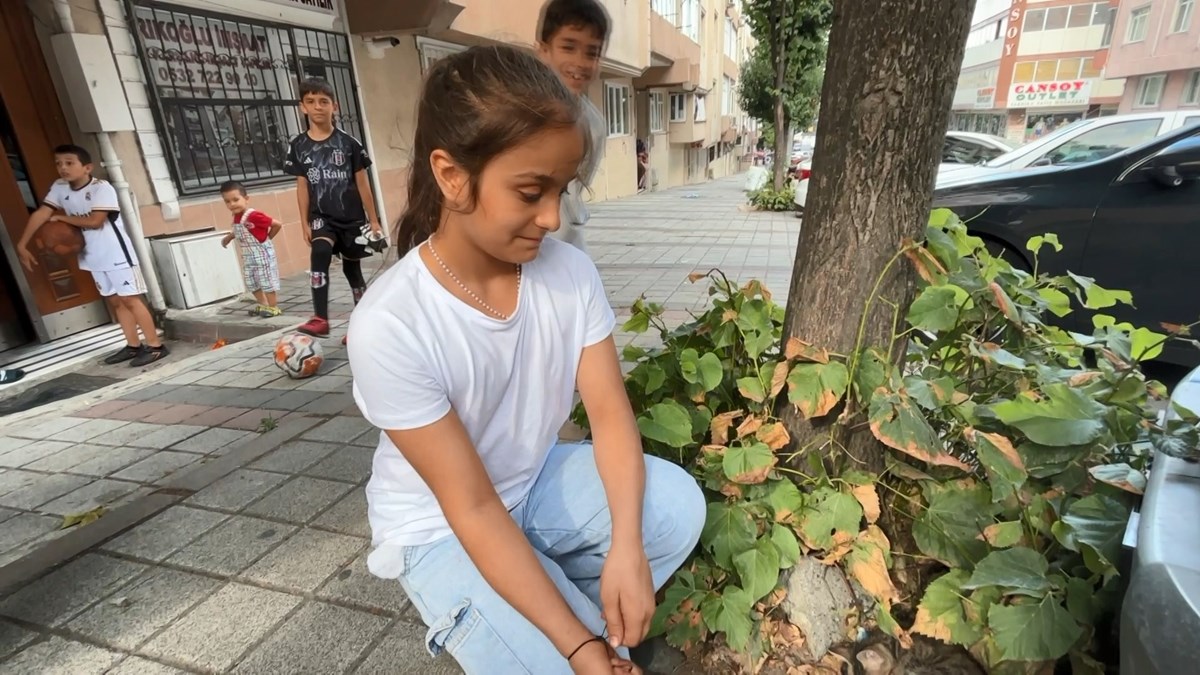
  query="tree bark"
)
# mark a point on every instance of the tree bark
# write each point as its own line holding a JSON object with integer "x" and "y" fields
{"x": 779, "y": 57}
{"x": 885, "y": 106}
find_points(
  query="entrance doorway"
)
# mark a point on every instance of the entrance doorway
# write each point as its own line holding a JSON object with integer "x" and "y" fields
{"x": 56, "y": 298}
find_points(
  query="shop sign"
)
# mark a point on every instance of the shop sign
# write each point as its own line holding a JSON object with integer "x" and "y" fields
{"x": 985, "y": 98}
{"x": 323, "y": 6}
{"x": 1050, "y": 94}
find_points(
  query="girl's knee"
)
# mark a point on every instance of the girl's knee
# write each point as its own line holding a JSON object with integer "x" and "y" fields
{"x": 675, "y": 502}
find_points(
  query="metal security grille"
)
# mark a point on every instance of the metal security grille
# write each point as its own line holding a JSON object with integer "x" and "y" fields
{"x": 226, "y": 90}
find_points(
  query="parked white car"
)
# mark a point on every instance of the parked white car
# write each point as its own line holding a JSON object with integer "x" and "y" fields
{"x": 961, "y": 148}
{"x": 1083, "y": 141}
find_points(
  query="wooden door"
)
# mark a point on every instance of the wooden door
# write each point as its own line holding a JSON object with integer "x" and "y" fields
{"x": 35, "y": 125}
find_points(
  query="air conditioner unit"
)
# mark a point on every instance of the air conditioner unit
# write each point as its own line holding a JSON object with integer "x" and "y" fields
{"x": 196, "y": 270}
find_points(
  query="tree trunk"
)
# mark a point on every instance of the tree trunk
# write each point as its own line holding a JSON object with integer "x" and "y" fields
{"x": 779, "y": 59}
{"x": 885, "y": 106}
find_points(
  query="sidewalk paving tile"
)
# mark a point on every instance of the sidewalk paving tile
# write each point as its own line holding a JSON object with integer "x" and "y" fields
{"x": 211, "y": 440}
{"x": 329, "y": 382}
{"x": 172, "y": 434}
{"x": 305, "y": 560}
{"x": 90, "y": 578}
{"x": 351, "y": 464}
{"x": 291, "y": 400}
{"x": 100, "y": 493}
{"x": 13, "y": 637}
{"x": 175, "y": 415}
{"x": 166, "y": 533}
{"x": 88, "y": 429}
{"x": 218, "y": 416}
{"x": 31, "y": 453}
{"x": 15, "y": 479}
{"x": 25, "y": 527}
{"x": 402, "y": 652}
{"x": 46, "y": 489}
{"x": 57, "y": 656}
{"x": 339, "y": 429}
{"x": 126, "y": 435}
{"x": 136, "y": 665}
{"x": 49, "y": 427}
{"x": 158, "y": 466}
{"x": 146, "y": 605}
{"x": 299, "y": 500}
{"x": 217, "y": 632}
{"x": 356, "y": 585}
{"x": 232, "y": 546}
{"x": 10, "y": 443}
{"x": 330, "y": 404}
{"x": 294, "y": 457}
{"x": 111, "y": 460}
{"x": 235, "y": 491}
{"x": 68, "y": 458}
{"x": 349, "y": 516}
{"x": 320, "y": 638}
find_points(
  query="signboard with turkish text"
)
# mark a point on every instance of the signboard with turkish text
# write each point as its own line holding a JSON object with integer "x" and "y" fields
{"x": 1064, "y": 93}
{"x": 985, "y": 98}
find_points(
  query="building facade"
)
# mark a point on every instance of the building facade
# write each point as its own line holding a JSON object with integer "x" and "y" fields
{"x": 1032, "y": 66}
{"x": 1156, "y": 46}
{"x": 174, "y": 97}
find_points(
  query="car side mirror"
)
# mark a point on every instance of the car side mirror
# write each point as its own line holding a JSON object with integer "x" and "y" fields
{"x": 1045, "y": 161}
{"x": 1177, "y": 162}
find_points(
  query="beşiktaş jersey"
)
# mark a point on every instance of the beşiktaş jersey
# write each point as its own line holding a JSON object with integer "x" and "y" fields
{"x": 330, "y": 166}
{"x": 105, "y": 248}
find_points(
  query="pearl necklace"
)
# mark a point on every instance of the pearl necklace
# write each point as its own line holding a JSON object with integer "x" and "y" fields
{"x": 502, "y": 316}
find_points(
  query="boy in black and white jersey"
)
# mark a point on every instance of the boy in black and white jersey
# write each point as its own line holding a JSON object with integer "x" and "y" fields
{"x": 90, "y": 204}
{"x": 333, "y": 189}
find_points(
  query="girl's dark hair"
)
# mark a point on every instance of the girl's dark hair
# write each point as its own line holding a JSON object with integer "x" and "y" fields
{"x": 476, "y": 105}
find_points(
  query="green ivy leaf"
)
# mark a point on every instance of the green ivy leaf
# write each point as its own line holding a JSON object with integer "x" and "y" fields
{"x": 827, "y": 513}
{"x": 752, "y": 388}
{"x": 870, "y": 374}
{"x": 1098, "y": 297}
{"x": 655, "y": 376}
{"x": 728, "y": 531}
{"x": 1064, "y": 416}
{"x": 678, "y": 616}
{"x": 898, "y": 424}
{"x": 1057, "y": 302}
{"x": 729, "y": 613}
{"x": 758, "y": 342}
{"x": 999, "y": 457}
{"x": 748, "y": 464}
{"x": 1017, "y": 570}
{"x": 786, "y": 543}
{"x": 991, "y": 352}
{"x": 1079, "y": 600}
{"x": 785, "y": 500}
{"x": 941, "y": 614}
{"x": 667, "y": 422}
{"x": 632, "y": 353}
{"x": 1035, "y": 243}
{"x": 942, "y": 247}
{"x": 1121, "y": 476}
{"x": 930, "y": 394}
{"x": 638, "y": 323}
{"x": 1146, "y": 344}
{"x": 816, "y": 388}
{"x": 703, "y": 370}
{"x": 1033, "y": 632}
{"x": 758, "y": 569}
{"x": 937, "y": 308}
{"x": 1099, "y": 521}
{"x": 948, "y": 529}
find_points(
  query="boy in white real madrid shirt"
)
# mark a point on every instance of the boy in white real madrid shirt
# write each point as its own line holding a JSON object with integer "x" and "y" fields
{"x": 90, "y": 204}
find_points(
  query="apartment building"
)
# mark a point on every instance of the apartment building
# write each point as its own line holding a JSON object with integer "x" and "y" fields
{"x": 174, "y": 97}
{"x": 1155, "y": 46}
{"x": 1032, "y": 66}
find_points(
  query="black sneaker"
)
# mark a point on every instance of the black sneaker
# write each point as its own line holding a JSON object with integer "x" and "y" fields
{"x": 10, "y": 375}
{"x": 150, "y": 355}
{"x": 126, "y": 353}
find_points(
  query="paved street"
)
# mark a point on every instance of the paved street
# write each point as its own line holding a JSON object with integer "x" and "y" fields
{"x": 235, "y": 533}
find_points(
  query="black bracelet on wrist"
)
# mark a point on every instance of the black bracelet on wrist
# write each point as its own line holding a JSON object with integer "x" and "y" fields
{"x": 594, "y": 638}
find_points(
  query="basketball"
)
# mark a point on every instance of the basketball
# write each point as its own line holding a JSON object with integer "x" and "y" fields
{"x": 61, "y": 238}
{"x": 299, "y": 356}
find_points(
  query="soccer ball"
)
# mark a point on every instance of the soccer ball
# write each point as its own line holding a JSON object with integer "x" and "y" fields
{"x": 298, "y": 355}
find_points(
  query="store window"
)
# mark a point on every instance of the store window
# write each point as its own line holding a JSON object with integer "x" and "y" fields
{"x": 226, "y": 91}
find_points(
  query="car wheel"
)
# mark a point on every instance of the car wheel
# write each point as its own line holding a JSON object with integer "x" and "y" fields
{"x": 1007, "y": 254}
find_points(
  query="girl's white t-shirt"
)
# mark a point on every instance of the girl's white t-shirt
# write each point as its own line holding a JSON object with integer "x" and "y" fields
{"x": 416, "y": 351}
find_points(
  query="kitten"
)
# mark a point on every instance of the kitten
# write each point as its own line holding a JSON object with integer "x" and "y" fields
{"x": 879, "y": 655}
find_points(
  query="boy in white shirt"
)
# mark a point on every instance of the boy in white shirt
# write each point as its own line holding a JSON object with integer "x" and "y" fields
{"x": 571, "y": 38}
{"x": 91, "y": 205}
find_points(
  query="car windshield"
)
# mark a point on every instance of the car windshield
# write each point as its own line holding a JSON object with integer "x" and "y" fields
{"x": 1038, "y": 146}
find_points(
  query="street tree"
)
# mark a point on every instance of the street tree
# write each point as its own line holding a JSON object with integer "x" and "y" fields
{"x": 791, "y": 35}
{"x": 885, "y": 106}
{"x": 756, "y": 87}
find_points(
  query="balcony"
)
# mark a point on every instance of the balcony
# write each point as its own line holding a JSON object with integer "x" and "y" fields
{"x": 370, "y": 17}
{"x": 729, "y": 130}
{"x": 730, "y": 68}
{"x": 674, "y": 58}
{"x": 688, "y": 132}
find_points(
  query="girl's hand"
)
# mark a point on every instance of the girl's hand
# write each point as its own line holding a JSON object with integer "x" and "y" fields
{"x": 627, "y": 594}
{"x": 600, "y": 659}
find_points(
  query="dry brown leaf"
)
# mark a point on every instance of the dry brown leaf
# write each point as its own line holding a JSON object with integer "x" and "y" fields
{"x": 748, "y": 426}
{"x": 774, "y": 435}
{"x": 1081, "y": 379}
{"x": 1002, "y": 443}
{"x": 696, "y": 276}
{"x": 754, "y": 285}
{"x": 720, "y": 426}
{"x": 869, "y": 498}
{"x": 729, "y": 315}
{"x": 779, "y": 378}
{"x": 799, "y": 350}
{"x": 843, "y": 543}
{"x": 867, "y": 564}
{"x": 731, "y": 490}
{"x": 925, "y": 263}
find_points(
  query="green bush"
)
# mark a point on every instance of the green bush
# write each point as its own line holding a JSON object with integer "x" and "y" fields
{"x": 767, "y": 198}
{"x": 1011, "y": 464}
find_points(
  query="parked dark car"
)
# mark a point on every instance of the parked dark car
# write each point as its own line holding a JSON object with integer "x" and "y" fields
{"x": 1130, "y": 220}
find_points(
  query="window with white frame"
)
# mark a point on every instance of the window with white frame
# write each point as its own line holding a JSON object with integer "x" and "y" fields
{"x": 1149, "y": 92}
{"x": 1139, "y": 22}
{"x": 433, "y": 51}
{"x": 1072, "y": 16}
{"x": 1191, "y": 90}
{"x": 678, "y": 107}
{"x": 727, "y": 94}
{"x": 667, "y": 9}
{"x": 658, "y": 112}
{"x": 731, "y": 38}
{"x": 1183, "y": 16}
{"x": 701, "y": 108}
{"x": 689, "y": 21}
{"x": 616, "y": 109}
